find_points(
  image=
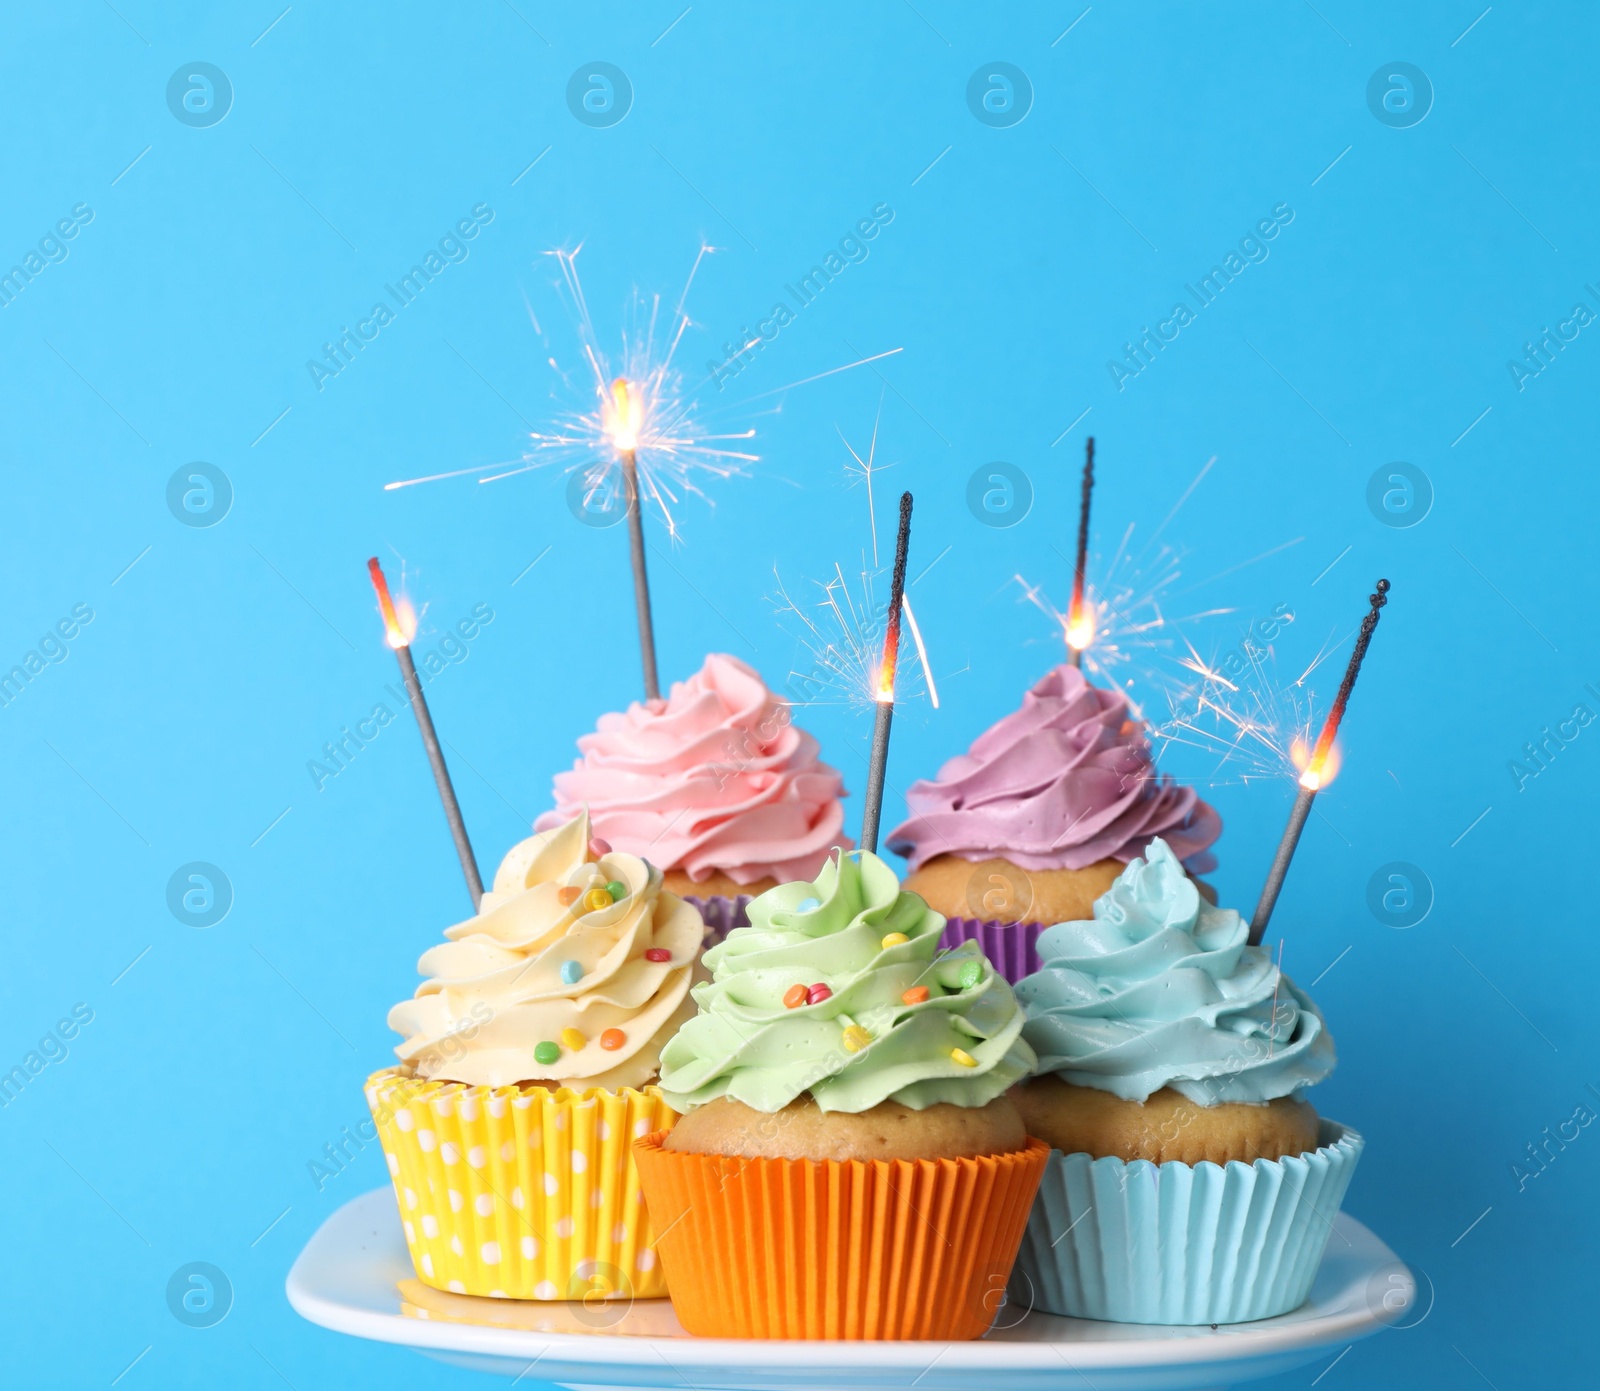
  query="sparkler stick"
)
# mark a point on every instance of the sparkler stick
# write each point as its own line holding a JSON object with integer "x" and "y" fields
{"x": 1311, "y": 779}
{"x": 878, "y": 762}
{"x": 400, "y": 640}
{"x": 623, "y": 426}
{"x": 1080, "y": 624}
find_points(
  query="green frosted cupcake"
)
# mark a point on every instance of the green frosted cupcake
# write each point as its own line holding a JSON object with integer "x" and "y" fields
{"x": 844, "y": 1089}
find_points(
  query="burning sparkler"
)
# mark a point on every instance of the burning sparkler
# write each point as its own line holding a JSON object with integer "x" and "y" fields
{"x": 623, "y": 422}
{"x": 843, "y": 628}
{"x": 673, "y": 450}
{"x": 878, "y": 762}
{"x": 632, "y": 420}
{"x": 1318, "y": 770}
{"x": 1121, "y": 628}
{"x": 1080, "y": 626}
{"x": 1257, "y": 725}
{"x": 400, "y": 625}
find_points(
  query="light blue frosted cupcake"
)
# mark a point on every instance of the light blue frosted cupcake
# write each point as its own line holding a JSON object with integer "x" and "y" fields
{"x": 1189, "y": 1181}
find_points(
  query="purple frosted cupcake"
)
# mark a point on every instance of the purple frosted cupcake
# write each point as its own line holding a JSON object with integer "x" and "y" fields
{"x": 1038, "y": 818}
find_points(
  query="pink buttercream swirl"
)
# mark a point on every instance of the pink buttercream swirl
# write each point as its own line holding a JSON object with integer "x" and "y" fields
{"x": 1063, "y": 782}
{"x": 715, "y": 777}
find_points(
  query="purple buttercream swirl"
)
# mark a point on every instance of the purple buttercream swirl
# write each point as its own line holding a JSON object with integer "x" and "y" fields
{"x": 1062, "y": 783}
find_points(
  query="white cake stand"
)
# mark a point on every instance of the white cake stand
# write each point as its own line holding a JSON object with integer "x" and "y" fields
{"x": 355, "y": 1277}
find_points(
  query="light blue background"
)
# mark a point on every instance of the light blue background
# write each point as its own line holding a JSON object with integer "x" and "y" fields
{"x": 180, "y": 726}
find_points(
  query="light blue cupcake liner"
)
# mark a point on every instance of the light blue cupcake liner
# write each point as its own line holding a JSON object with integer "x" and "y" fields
{"x": 1182, "y": 1243}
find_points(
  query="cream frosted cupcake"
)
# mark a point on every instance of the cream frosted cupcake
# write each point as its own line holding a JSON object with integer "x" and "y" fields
{"x": 715, "y": 784}
{"x": 527, "y": 1069}
{"x": 1189, "y": 1180}
{"x": 849, "y": 1165}
{"x": 1039, "y": 816}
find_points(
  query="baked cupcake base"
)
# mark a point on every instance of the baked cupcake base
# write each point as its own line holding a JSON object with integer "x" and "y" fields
{"x": 1181, "y": 1243}
{"x": 858, "y": 1249}
{"x": 803, "y": 1130}
{"x": 521, "y": 1192}
{"x": 1004, "y": 908}
{"x": 1163, "y": 1127}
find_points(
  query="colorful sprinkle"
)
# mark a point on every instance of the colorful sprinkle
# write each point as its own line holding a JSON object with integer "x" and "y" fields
{"x": 595, "y": 900}
{"x": 971, "y": 974}
{"x": 915, "y": 996}
{"x": 894, "y": 939}
{"x": 808, "y": 905}
{"x": 818, "y": 993}
{"x": 567, "y": 895}
{"x": 962, "y": 1058}
{"x": 855, "y": 1038}
{"x": 572, "y": 1040}
{"x": 598, "y": 847}
{"x": 617, "y": 889}
{"x": 571, "y": 972}
{"x": 613, "y": 1039}
{"x": 546, "y": 1053}
{"x": 794, "y": 996}
{"x": 657, "y": 954}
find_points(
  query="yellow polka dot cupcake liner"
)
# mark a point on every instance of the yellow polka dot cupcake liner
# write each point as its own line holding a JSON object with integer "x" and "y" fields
{"x": 522, "y": 1192}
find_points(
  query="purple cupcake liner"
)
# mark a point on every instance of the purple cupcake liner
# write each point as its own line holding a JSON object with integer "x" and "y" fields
{"x": 722, "y": 914}
{"x": 1012, "y": 948}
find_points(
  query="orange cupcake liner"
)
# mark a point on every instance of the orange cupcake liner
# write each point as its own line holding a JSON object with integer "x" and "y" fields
{"x": 855, "y": 1249}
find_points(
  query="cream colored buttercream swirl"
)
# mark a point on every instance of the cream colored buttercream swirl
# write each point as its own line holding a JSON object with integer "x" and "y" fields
{"x": 534, "y": 989}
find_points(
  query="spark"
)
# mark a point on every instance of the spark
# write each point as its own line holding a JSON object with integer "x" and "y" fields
{"x": 675, "y": 452}
{"x": 842, "y": 627}
{"x": 863, "y": 471}
{"x": 1124, "y": 629}
{"x": 842, "y": 631}
{"x": 922, "y": 652}
{"x": 1256, "y": 726}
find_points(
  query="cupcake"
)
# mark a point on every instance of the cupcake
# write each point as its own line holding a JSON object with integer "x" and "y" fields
{"x": 714, "y": 784}
{"x": 1034, "y": 822}
{"x": 849, "y": 1164}
{"x": 528, "y": 1068}
{"x": 1189, "y": 1180}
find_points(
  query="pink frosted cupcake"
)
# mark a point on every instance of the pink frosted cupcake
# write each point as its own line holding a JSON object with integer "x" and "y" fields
{"x": 713, "y": 784}
{"x": 1037, "y": 819}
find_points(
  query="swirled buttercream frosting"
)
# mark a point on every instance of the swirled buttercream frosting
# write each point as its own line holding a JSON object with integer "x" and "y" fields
{"x": 838, "y": 988}
{"x": 576, "y": 970}
{"x": 1160, "y": 989}
{"x": 714, "y": 778}
{"x": 1062, "y": 783}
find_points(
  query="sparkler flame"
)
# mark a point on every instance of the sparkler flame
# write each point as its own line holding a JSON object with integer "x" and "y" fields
{"x": 623, "y": 417}
{"x": 1315, "y": 773}
{"x": 891, "y": 658}
{"x": 399, "y": 618}
{"x": 1080, "y": 628}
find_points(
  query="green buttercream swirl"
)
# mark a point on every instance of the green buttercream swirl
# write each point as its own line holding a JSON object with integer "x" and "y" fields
{"x": 746, "y": 1044}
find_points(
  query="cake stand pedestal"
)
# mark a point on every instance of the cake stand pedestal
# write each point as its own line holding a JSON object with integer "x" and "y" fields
{"x": 355, "y": 1277}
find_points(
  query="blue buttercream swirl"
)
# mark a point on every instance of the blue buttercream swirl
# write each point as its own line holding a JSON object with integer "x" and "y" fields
{"x": 1160, "y": 989}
